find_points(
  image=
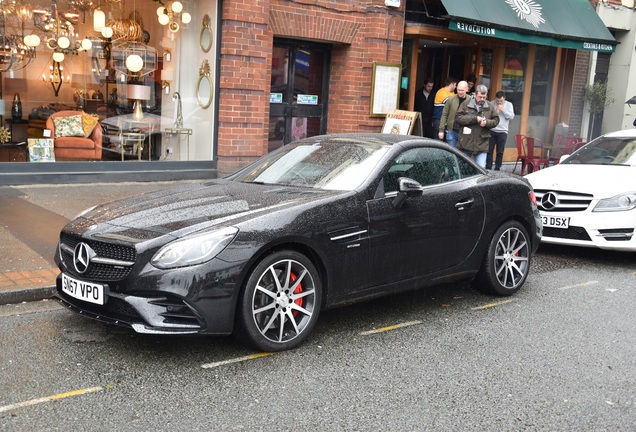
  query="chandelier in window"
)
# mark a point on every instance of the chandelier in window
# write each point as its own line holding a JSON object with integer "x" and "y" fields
{"x": 56, "y": 74}
{"x": 64, "y": 41}
{"x": 172, "y": 14}
{"x": 16, "y": 50}
{"x": 81, "y": 6}
{"x": 15, "y": 54}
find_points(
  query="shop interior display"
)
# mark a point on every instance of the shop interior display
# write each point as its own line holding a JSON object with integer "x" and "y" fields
{"x": 103, "y": 59}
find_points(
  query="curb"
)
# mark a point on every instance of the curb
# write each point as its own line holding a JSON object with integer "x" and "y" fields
{"x": 26, "y": 295}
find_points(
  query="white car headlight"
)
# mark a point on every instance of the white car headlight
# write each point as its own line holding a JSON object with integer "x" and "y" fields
{"x": 193, "y": 250}
{"x": 622, "y": 202}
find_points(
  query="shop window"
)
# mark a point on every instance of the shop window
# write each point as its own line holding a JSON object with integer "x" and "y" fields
{"x": 485, "y": 71}
{"x": 542, "y": 81}
{"x": 136, "y": 73}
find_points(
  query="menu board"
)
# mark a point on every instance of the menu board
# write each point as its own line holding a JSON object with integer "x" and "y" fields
{"x": 385, "y": 88}
{"x": 402, "y": 122}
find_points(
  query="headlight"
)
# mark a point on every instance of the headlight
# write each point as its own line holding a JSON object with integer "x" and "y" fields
{"x": 622, "y": 202}
{"x": 193, "y": 250}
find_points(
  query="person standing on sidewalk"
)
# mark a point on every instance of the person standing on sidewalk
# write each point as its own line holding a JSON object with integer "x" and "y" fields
{"x": 447, "y": 123}
{"x": 476, "y": 116}
{"x": 441, "y": 97}
{"x": 499, "y": 134}
{"x": 424, "y": 98}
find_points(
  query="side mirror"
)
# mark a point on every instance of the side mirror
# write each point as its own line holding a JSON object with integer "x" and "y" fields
{"x": 406, "y": 188}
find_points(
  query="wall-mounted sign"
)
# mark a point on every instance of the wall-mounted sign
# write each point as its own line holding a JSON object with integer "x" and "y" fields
{"x": 304, "y": 99}
{"x": 275, "y": 98}
{"x": 385, "y": 88}
{"x": 392, "y": 3}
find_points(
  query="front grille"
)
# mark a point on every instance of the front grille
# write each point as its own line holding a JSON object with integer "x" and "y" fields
{"x": 98, "y": 272}
{"x": 562, "y": 201}
{"x": 572, "y": 233}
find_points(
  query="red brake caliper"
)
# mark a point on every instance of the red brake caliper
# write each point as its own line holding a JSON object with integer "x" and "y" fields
{"x": 299, "y": 289}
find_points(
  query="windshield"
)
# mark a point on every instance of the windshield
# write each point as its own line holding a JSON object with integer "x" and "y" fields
{"x": 334, "y": 164}
{"x": 606, "y": 151}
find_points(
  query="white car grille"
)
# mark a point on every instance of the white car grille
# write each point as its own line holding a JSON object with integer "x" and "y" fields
{"x": 551, "y": 200}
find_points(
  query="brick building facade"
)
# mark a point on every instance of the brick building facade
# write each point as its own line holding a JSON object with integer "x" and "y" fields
{"x": 359, "y": 33}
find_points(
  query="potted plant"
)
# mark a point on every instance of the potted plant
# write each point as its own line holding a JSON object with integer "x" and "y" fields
{"x": 598, "y": 96}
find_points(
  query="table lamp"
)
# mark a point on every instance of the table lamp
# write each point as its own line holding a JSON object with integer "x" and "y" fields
{"x": 138, "y": 93}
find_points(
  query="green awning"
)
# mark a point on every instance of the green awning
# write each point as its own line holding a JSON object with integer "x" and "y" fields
{"x": 560, "y": 23}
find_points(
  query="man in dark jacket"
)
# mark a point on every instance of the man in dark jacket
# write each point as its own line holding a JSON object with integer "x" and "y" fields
{"x": 424, "y": 98}
{"x": 476, "y": 116}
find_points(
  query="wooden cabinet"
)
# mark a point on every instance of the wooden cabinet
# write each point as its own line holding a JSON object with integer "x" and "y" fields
{"x": 18, "y": 129}
{"x": 13, "y": 153}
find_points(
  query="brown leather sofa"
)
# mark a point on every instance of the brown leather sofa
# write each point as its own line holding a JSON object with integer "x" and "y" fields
{"x": 74, "y": 148}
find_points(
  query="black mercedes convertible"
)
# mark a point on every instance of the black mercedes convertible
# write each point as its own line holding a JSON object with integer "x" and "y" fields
{"x": 319, "y": 223}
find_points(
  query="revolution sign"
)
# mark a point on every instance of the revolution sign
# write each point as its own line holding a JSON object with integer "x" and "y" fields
{"x": 564, "y": 23}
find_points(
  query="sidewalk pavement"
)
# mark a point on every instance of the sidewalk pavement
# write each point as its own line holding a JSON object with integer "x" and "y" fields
{"x": 31, "y": 217}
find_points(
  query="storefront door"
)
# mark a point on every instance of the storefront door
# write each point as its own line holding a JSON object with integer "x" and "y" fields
{"x": 299, "y": 91}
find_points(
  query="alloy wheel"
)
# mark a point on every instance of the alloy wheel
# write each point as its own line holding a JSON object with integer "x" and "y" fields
{"x": 283, "y": 301}
{"x": 512, "y": 258}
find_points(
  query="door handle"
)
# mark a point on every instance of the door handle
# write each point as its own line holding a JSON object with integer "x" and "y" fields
{"x": 464, "y": 204}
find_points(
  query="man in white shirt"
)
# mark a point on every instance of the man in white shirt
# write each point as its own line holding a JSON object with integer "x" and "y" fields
{"x": 499, "y": 133}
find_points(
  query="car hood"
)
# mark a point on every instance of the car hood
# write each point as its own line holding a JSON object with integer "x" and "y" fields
{"x": 177, "y": 212}
{"x": 602, "y": 181}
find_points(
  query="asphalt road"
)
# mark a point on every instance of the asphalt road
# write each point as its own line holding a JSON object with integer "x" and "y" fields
{"x": 558, "y": 356}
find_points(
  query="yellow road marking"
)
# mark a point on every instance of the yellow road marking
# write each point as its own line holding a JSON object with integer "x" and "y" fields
{"x": 491, "y": 305}
{"x": 235, "y": 360}
{"x": 49, "y": 398}
{"x": 579, "y": 285}
{"x": 389, "y": 328}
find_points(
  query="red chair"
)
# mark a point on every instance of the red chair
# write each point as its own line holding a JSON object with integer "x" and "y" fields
{"x": 522, "y": 156}
{"x": 568, "y": 148}
{"x": 534, "y": 161}
{"x": 578, "y": 143}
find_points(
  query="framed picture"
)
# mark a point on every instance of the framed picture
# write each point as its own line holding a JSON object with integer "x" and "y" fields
{"x": 385, "y": 88}
{"x": 41, "y": 150}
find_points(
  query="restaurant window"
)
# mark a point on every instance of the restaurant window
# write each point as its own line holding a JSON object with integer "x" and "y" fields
{"x": 485, "y": 71}
{"x": 513, "y": 76}
{"x": 513, "y": 84}
{"x": 542, "y": 81}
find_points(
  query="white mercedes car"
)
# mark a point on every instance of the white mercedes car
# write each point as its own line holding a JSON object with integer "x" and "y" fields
{"x": 589, "y": 199}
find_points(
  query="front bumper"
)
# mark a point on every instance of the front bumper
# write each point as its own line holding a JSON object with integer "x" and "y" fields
{"x": 156, "y": 315}
{"x": 604, "y": 230}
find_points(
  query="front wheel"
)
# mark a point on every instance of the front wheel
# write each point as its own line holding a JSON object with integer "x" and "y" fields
{"x": 280, "y": 302}
{"x": 507, "y": 261}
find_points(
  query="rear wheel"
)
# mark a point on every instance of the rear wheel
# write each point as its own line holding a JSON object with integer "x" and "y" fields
{"x": 507, "y": 261}
{"x": 280, "y": 302}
